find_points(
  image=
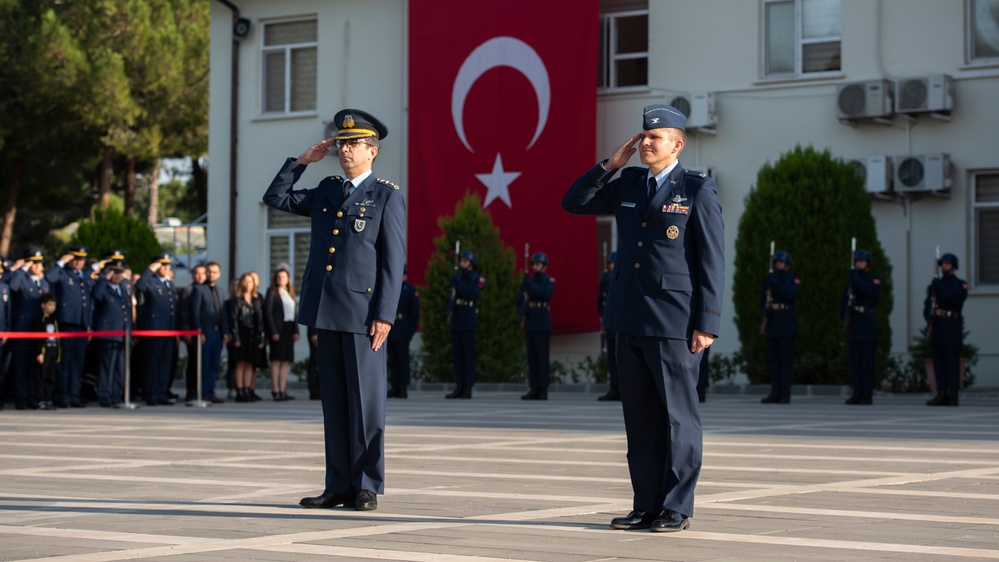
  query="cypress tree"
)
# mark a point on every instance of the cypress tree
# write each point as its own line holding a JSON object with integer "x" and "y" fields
{"x": 812, "y": 205}
{"x": 499, "y": 343}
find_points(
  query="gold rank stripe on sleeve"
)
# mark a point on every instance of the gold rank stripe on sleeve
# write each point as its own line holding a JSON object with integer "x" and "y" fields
{"x": 386, "y": 182}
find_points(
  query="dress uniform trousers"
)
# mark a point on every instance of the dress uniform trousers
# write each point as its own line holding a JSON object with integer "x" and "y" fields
{"x": 610, "y": 340}
{"x": 398, "y": 360}
{"x": 862, "y": 364}
{"x": 947, "y": 366}
{"x": 158, "y": 358}
{"x": 781, "y": 355}
{"x": 74, "y": 354}
{"x": 111, "y": 373}
{"x": 658, "y": 393}
{"x": 352, "y": 386}
{"x": 463, "y": 351}
{"x": 538, "y": 366}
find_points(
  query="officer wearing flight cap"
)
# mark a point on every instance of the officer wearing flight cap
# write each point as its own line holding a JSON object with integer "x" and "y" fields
{"x": 75, "y": 313}
{"x": 665, "y": 305}
{"x": 536, "y": 318}
{"x": 860, "y": 298}
{"x": 350, "y": 292}
{"x": 27, "y": 285}
{"x": 4, "y": 322}
{"x": 158, "y": 312}
{"x": 942, "y": 310}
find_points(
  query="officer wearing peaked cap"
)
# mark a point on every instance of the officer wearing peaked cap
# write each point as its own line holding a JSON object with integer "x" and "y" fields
{"x": 27, "y": 285}
{"x": 350, "y": 293}
{"x": 75, "y": 313}
{"x": 112, "y": 312}
{"x": 4, "y": 322}
{"x": 942, "y": 310}
{"x": 665, "y": 304}
{"x": 535, "y": 312}
{"x": 158, "y": 312}
{"x": 860, "y": 299}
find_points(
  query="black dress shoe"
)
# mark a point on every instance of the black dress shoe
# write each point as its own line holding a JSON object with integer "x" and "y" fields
{"x": 328, "y": 500}
{"x": 466, "y": 393}
{"x": 456, "y": 393}
{"x": 670, "y": 521}
{"x": 366, "y": 500}
{"x": 167, "y": 402}
{"x": 635, "y": 520}
{"x": 612, "y": 395}
{"x": 531, "y": 394}
{"x": 216, "y": 400}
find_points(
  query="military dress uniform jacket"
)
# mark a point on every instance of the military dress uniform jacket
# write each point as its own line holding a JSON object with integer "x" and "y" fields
{"x": 669, "y": 274}
{"x": 357, "y": 253}
{"x": 159, "y": 303}
{"x": 25, "y": 297}
{"x": 112, "y": 311}
{"x": 72, "y": 290}
{"x": 784, "y": 287}
{"x": 866, "y": 290}
{"x": 467, "y": 288}
{"x": 605, "y": 281}
{"x": 535, "y": 308}
{"x": 5, "y": 324}
{"x": 947, "y": 320}
{"x": 407, "y": 316}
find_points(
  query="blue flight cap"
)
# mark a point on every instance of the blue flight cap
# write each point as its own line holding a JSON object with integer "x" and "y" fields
{"x": 662, "y": 116}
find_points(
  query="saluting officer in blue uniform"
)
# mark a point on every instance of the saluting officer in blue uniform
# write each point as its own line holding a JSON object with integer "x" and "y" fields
{"x": 860, "y": 298}
{"x": 782, "y": 288}
{"x": 462, "y": 314}
{"x": 158, "y": 312}
{"x": 75, "y": 313}
{"x": 610, "y": 336}
{"x": 112, "y": 313}
{"x": 407, "y": 318}
{"x": 350, "y": 292}
{"x": 942, "y": 310}
{"x": 5, "y": 325}
{"x": 27, "y": 285}
{"x": 665, "y": 304}
{"x": 536, "y": 318}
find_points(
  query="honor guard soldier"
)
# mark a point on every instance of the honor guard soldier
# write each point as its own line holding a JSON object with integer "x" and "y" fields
{"x": 350, "y": 292}
{"x": 860, "y": 297}
{"x": 779, "y": 291}
{"x": 945, "y": 332}
{"x": 610, "y": 337}
{"x": 112, "y": 313}
{"x": 27, "y": 285}
{"x": 536, "y": 318}
{"x": 466, "y": 286}
{"x": 407, "y": 318}
{"x": 665, "y": 305}
{"x": 5, "y": 324}
{"x": 75, "y": 313}
{"x": 158, "y": 312}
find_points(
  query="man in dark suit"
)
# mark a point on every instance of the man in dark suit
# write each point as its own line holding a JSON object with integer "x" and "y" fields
{"x": 407, "y": 318}
{"x": 665, "y": 305}
{"x": 462, "y": 314}
{"x": 536, "y": 318}
{"x": 27, "y": 285}
{"x": 158, "y": 312}
{"x": 942, "y": 310}
{"x": 112, "y": 312}
{"x": 208, "y": 314}
{"x": 75, "y": 313}
{"x": 860, "y": 298}
{"x": 350, "y": 292}
{"x": 779, "y": 291}
{"x": 199, "y": 275}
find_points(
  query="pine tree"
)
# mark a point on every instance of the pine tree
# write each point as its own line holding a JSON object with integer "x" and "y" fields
{"x": 811, "y": 205}
{"x": 499, "y": 343}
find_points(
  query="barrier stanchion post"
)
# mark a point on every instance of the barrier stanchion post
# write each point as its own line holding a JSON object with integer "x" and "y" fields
{"x": 128, "y": 405}
{"x": 198, "y": 402}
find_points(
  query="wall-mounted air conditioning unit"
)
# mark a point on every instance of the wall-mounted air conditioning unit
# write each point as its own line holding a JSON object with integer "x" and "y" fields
{"x": 923, "y": 172}
{"x": 699, "y": 107}
{"x": 924, "y": 94}
{"x": 877, "y": 173}
{"x": 864, "y": 100}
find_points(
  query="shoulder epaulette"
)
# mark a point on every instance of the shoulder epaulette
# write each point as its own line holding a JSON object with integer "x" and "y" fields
{"x": 693, "y": 173}
{"x": 386, "y": 182}
{"x": 337, "y": 178}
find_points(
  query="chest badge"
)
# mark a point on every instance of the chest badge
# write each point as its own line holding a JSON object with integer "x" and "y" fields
{"x": 678, "y": 199}
{"x": 359, "y": 225}
{"x": 672, "y": 232}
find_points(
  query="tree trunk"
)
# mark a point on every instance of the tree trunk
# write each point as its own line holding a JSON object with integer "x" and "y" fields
{"x": 106, "y": 174}
{"x": 154, "y": 193}
{"x": 199, "y": 180}
{"x": 129, "y": 186}
{"x": 10, "y": 211}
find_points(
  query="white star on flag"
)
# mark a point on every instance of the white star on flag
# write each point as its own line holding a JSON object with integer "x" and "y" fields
{"x": 498, "y": 182}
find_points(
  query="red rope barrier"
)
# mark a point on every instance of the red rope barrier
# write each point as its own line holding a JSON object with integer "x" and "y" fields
{"x": 98, "y": 334}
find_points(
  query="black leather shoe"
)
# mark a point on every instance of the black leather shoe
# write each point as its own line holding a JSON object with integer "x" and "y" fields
{"x": 403, "y": 393}
{"x": 771, "y": 398}
{"x": 531, "y": 394}
{"x": 939, "y": 400}
{"x": 328, "y": 500}
{"x": 634, "y": 520}
{"x": 466, "y": 393}
{"x": 366, "y": 500}
{"x": 456, "y": 393}
{"x": 670, "y": 521}
{"x": 216, "y": 400}
{"x": 612, "y": 395}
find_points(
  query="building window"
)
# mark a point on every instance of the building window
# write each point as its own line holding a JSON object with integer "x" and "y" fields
{"x": 288, "y": 239}
{"x": 983, "y": 35}
{"x": 986, "y": 212}
{"x": 801, "y": 37}
{"x": 624, "y": 49}
{"x": 289, "y": 66}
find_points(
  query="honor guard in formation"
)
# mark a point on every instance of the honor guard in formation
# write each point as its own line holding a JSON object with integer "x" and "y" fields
{"x": 407, "y": 318}
{"x": 610, "y": 337}
{"x": 945, "y": 329}
{"x": 350, "y": 293}
{"x": 665, "y": 304}
{"x": 27, "y": 285}
{"x": 158, "y": 312}
{"x": 463, "y": 312}
{"x": 779, "y": 291}
{"x": 860, "y": 297}
{"x": 536, "y": 319}
{"x": 112, "y": 312}
{"x": 71, "y": 286}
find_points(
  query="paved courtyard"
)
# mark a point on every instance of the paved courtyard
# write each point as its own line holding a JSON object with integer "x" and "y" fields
{"x": 496, "y": 478}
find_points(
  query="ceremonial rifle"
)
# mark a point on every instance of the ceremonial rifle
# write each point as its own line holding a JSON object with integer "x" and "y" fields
{"x": 452, "y": 301}
{"x": 765, "y": 323}
{"x": 933, "y": 298}
{"x": 848, "y": 322}
{"x": 527, "y": 272}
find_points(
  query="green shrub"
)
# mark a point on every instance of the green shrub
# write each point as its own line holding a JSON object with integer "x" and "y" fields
{"x": 109, "y": 230}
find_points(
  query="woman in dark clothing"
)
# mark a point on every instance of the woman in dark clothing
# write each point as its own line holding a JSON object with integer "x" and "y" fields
{"x": 246, "y": 320}
{"x": 282, "y": 330}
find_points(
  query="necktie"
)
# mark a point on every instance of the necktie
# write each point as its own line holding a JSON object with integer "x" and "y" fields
{"x": 117, "y": 290}
{"x": 653, "y": 184}
{"x": 215, "y": 298}
{"x": 38, "y": 283}
{"x": 346, "y": 189}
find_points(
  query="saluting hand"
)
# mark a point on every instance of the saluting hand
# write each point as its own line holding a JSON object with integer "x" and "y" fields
{"x": 316, "y": 152}
{"x": 623, "y": 153}
{"x": 700, "y": 341}
{"x": 379, "y": 332}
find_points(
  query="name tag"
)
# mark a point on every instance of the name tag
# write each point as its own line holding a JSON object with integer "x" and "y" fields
{"x": 627, "y": 204}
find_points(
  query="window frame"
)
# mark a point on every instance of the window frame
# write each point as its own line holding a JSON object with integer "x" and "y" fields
{"x": 291, "y": 232}
{"x": 288, "y": 50}
{"x": 607, "y": 83}
{"x": 970, "y": 59}
{"x": 976, "y": 208}
{"x": 799, "y": 44}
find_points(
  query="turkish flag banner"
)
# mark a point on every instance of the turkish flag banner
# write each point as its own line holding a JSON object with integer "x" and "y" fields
{"x": 502, "y": 103}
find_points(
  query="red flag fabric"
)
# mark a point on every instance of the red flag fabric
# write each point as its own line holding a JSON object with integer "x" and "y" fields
{"x": 502, "y": 103}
